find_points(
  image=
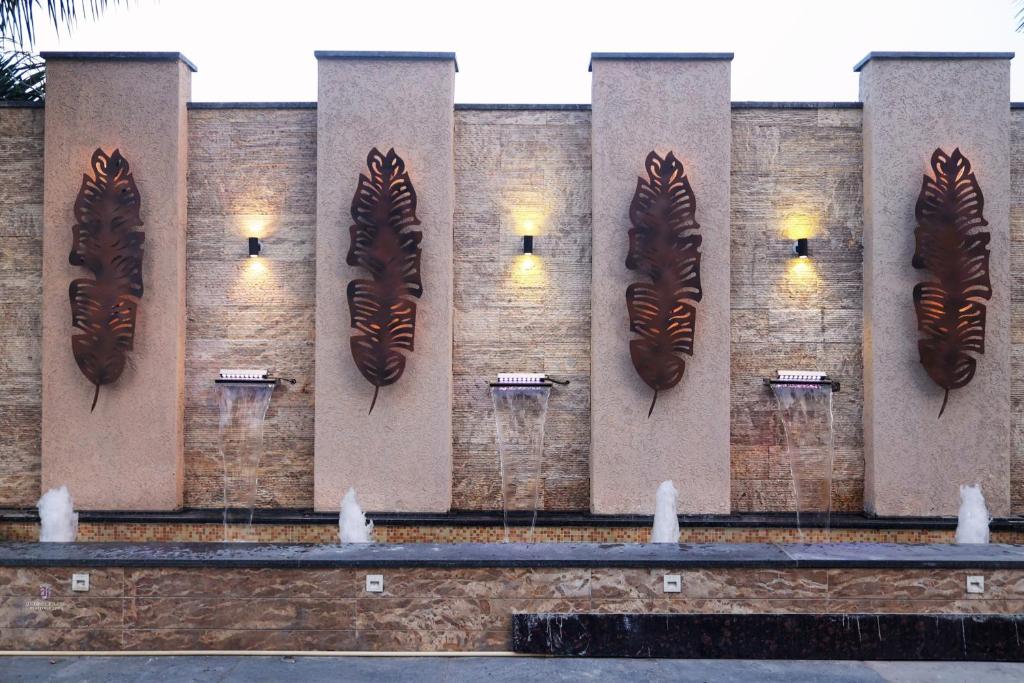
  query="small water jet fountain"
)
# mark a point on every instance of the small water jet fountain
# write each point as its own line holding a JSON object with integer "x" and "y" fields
{"x": 58, "y": 521}
{"x": 973, "y": 518}
{"x": 243, "y": 397}
{"x": 804, "y": 404}
{"x": 666, "y": 518}
{"x": 352, "y": 524}
{"x": 520, "y": 410}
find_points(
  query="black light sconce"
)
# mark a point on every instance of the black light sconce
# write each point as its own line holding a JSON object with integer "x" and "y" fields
{"x": 801, "y": 249}
{"x": 527, "y": 244}
{"x": 254, "y": 247}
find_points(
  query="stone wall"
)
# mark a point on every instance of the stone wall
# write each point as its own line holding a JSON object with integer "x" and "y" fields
{"x": 795, "y": 171}
{"x": 21, "y": 265}
{"x": 514, "y": 168}
{"x": 432, "y": 609}
{"x": 253, "y": 171}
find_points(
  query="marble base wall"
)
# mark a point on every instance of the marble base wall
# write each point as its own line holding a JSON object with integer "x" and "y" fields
{"x": 433, "y": 609}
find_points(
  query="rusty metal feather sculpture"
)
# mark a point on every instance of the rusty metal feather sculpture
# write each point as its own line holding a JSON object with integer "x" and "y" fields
{"x": 382, "y": 314}
{"x": 106, "y": 242}
{"x": 951, "y": 310}
{"x": 665, "y": 247}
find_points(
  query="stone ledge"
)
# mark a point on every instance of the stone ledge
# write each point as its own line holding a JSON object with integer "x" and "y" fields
{"x": 475, "y": 555}
{"x": 120, "y": 57}
{"x": 660, "y": 57}
{"x": 385, "y": 54}
{"x": 931, "y": 55}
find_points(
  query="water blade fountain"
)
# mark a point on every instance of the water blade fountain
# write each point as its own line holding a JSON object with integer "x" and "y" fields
{"x": 243, "y": 397}
{"x": 520, "y": 410}
{"x": 803, "y": 400}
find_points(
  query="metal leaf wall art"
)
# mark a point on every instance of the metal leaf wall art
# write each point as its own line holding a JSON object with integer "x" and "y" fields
{"x": 950, "y": 309}
{"x": 382, "y": 313}
{"x": 106, "y": 243}
{"x": 664, "y": 246}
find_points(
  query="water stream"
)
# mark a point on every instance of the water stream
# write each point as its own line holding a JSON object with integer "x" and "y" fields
{"x": 807, "y": 421}
{"x": 243, "y": 408}
{"x": 519, "y": 416}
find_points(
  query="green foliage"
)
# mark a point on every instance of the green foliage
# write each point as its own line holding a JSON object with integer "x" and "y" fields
{"x": 22, "y": 76}
{"x": 17, "y": 17}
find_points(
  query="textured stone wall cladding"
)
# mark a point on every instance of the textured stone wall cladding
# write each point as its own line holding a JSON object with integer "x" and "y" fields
{"x": 257, "y": 167}
{"x": 512, "y": 167}
{"x": 1017, "y": 312}
{"x": 795, "y": 171}
{"x": 21, "y": 263}
{"x": 251, "y": 172}
{"x": 432, "y": 609}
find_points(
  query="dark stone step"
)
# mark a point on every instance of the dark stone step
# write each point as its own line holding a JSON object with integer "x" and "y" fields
{"x": 935, "y": 637}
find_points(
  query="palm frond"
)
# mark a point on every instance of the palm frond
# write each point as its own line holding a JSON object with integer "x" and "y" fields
{"x": 22, "y": 76}
{"x": 17, "y": 17}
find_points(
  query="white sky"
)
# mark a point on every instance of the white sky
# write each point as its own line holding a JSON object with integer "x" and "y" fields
{"x": 526, "y": 51}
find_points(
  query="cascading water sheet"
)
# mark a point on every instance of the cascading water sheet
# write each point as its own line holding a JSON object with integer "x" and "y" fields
{"x": 806, "y": 415}
{"x": 243, "y": 409}
{"x": 519, "y": 416}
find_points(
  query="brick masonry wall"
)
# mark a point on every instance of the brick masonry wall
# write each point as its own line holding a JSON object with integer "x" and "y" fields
{"x": 432, "y": 609}
{"x": 253, "y": 170}
{"x": 21, "y": 264}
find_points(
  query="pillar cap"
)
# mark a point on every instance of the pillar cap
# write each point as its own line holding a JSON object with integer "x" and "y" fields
{"x": 376, "y": 54}
{"x": 120, "y": 57}
{"x": 660, "y": 56}
{"x": 931, "y": 55}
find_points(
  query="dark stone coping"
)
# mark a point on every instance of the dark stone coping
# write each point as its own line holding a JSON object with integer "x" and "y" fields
{"x": 385, "y": 54}
{"x": 797, "y": 105}
{"x": 471, "y": 106}
{"x": 931, "y": 55}
{"x": 661, "y": 56}
{"x": 252, "y": 105}
{"x": 772, "y": 520}
{"x": 469, "y": 555}
{"x": 121, "y": 57}
{"x": 917, "y": 637}
{"x": 15, "y": 104}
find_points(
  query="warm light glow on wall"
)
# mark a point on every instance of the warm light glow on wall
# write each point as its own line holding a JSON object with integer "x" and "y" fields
{"x": 528, "y": 271}
{"x": 800, "y": 223}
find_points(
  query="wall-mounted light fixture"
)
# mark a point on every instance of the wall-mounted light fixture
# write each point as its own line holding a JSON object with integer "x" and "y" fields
{"x": 254, "y": 247}
{"x": 801, "y": 248}
{"x": 527, "y": 244}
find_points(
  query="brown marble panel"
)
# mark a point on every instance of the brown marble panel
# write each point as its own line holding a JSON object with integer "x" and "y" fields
{"x": 709, "y": 583}
{"x": 231, "y": 639}
{"x": 435, "y": 641}
{"x": 30, "y": 582}
{"x": 78, "y": 639}
{"x": 246, "y": 583}
{"x": 484, "y": 583}
{"x": 427, "y": 614}
{"x": 896, "y": 584}
{"x": 236, "y": 613}
{"x": 60, "y": 612}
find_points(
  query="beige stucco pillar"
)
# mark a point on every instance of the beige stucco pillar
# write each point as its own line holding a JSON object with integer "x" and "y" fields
{"x": 398, "y": 457}
{"x": 127, "y": 454}
{"x": 915, "y": 460}
{"x": 678, "y": 103}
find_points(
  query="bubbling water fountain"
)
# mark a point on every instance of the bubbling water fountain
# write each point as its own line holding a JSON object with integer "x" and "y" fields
{"x": 243, "y": 399}
{"x": 520, "y": 410}
{"x": 804, "y": 404}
